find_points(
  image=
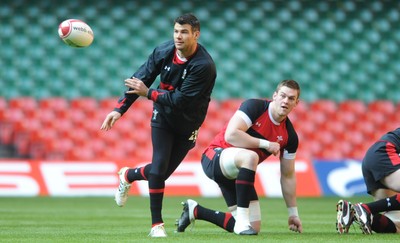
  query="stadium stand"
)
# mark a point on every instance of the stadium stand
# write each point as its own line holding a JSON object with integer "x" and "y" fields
{"x": 53, "y": 98}
{"x": 71, "y": 132}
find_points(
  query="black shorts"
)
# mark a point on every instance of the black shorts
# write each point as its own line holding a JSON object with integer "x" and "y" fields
{"x": 210, "y": 163}
{"x": 381, "y": 160}
{"x": 211, "y": 167}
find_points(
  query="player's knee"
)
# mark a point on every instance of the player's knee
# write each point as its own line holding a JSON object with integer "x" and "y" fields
{"x": 250, "y": 161}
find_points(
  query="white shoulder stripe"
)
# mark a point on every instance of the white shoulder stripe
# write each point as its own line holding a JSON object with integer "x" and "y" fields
{"x": 245, "y": 117}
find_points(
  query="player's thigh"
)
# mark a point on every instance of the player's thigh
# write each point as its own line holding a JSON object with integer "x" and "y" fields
{"x": 162, "y": 141}
{"x": 179, "y": 150}
{"x": 232, "y": 159}
{"x": 392, "y": 181}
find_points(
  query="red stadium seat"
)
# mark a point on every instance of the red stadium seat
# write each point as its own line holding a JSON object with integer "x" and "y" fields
{"x": 144, "y": 105}
{"x": 88, "y": 105}
{"x": 136, "y": 117}
{"x": 26, "y": 104}
{"x": 324, "y": 137}
{"x": 376, "y": 118}
{"x": 316, "y": 117}
{"x": 80, "y": 153}
{"x": 41, "y": 140}
{"x": 23, "y": 132}
{"x": 353, "y": 137}
{"x": 355, "y": 106}
{"x": 111, "y": 138}
{"x": 304, "y": 128}
{"x": 78, "y": 117}
{"x": 366, "y": 128}
{"x": 358, "y": 151}
{"x": 44, "y": 116}
{"x": 231, "y": 105}
{"x": 54, "y": 103}
{"x": 84, "y": 103}
{"x": 212, "y": 125}
{"x": 61, "y": 126}
{"x": 299, "y": 112}
{"x": 336, "y": 126}
{"x": 143, "y": 153}
{"x": 108, "y": 103}
{"x": 9, "y": 120}
{"x": 110, "y": 154}
{"x": 214, "y": 106}
{"x": 333, "y": 151}
{"x": 79, "y": 136}
{"x": 23, "y": 103}
{"x": 58, "y": 149}
{"x": 228, "y": 108}
{"x": 386, "y": 107}
{"x": 3, "y": 102}
{"x": 3, "y": 107}
{"x": 347, "y": 118}
{"x": 328, "y": 107}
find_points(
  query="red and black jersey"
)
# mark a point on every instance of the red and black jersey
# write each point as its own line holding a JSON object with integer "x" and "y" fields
{"x": 262, "y": 126}
{"x": 183, "y": 95}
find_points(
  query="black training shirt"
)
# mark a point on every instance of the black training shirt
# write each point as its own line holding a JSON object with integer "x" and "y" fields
{"x": 183, "y": 95}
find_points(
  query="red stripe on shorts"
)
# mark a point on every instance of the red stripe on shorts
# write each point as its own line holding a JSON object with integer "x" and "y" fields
{"x": 210, "y": 153}
{"x": 393, "y": 155}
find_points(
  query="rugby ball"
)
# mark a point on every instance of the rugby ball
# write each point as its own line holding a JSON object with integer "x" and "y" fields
{"x": 75, "y": 33}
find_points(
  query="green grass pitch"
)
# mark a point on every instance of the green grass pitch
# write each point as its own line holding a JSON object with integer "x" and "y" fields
{"x": 98, "y": 219}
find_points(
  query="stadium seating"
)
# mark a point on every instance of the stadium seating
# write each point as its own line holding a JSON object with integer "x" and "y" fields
{"x": 53, "y": 97}
{"x": 70, "y": 131}
{"x": 287, "y": 40}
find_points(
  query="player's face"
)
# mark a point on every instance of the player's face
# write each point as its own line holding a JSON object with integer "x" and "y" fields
{"x": 285, "y": 100}
{"x": 185, "y": 39}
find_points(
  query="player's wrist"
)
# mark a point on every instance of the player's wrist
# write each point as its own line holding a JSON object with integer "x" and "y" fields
{"x": 263, "y": 143}
{"x": 293, "y": 212}
{"x": 148, "y": 95}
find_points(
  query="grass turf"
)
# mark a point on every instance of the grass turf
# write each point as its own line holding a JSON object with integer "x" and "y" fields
{"x": 92, "y": 219}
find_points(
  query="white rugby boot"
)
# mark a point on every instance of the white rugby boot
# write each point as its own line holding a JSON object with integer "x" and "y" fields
{"x": 121, "y": 195}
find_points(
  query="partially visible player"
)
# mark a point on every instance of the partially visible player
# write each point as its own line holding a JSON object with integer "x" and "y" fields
{"x": 187, "y": 76}
{"x": 381, "y": 172}
{"x": 258, "y": 129}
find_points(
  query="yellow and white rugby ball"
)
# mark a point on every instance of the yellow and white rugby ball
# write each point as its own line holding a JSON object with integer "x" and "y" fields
{"x": 75, "y": 33}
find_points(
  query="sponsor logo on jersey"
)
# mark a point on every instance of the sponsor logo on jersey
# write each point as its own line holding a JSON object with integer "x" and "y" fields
{"x": 184, "y": 73}
{"x": 155, "y": 112}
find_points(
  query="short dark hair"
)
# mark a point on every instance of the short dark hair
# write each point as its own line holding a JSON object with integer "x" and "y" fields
{"x": 291, "y": 84}
{"x": 190, "y": 19}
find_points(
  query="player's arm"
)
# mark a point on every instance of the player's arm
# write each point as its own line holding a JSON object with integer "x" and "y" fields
{"x": 288, "y": 184}
{"x": 237, "y": 136}
{"x": 143, "y": 78}
{"x": 199, "y": 81}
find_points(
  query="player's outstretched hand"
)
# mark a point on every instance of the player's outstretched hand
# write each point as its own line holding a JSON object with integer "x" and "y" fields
{"x": 295, "y": 224}
{"x": 111, "y": 118}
